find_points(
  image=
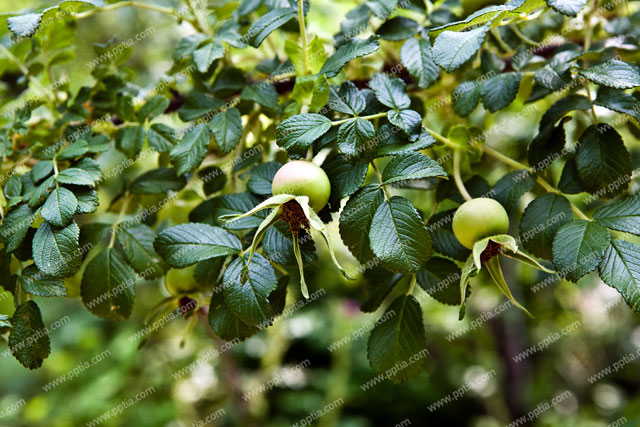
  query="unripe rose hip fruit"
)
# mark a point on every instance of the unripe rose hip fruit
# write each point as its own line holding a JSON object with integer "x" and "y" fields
{"x": 302, "y": 178}
{"x": 479, "y": 218}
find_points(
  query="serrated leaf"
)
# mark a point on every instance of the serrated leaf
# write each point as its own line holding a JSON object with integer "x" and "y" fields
{"x": 345, "y": 178}
{"x": 190, "y": 151}
{"x": 35, "y": 283}
{"x": 547, "y": 146}
{"x": 355, "y": 137}
{"x": 352, "y": 49}
{"x": 161, "y": 137}
{"x": 416, "y": 56}
{"x": 227, "y": 129}
{"x": 298, "y": 132}
{"x": 278, "y": 245}
{"x": 137, "y": 245}
{"x": 204, "y": 56}
{"x": 390, "y": 91}
{"x": 578, "y": 248}
{"x": 398, "y": 28}
{"x": 346, "y": 99}
{"x": 75, "y": 176}
{"x": 440, "y": 278}
{"x": 74, "y": 150}
{"x": 512, "y": 186}
{"x": 411, "y": 166}
{"x": 88, "y": 201}
{"x": 408, "y": 120}
{"x": 567, "y": 7}
{"x": 500, "y": 91}
{"x": 263, "y": 93}
{"x": 620, "y": 269}
{"x": 618, "y": 100}
{"x": 129, "y": 140}
{"x": 24, "y": 25}
{"x": 108, "y": 285}
{"x": 55, "y": 250}
{"x": 540, "y": 222}
{"x": 398, "y": 236}
{"x": 211, "y": 210}
{"x": 60, "y": 207}
{"x": 398, "y": 340}
{"x": 466, "y": 97}
{"x": 613, "y": 73}
{"x": 187, "y": 45}
{"x": 186, "y": 244}
{"x": 452, "y": 49}
{"x": 154, "y": 106}
{"x": 261, "y": 178}
{"x": 213, "y": 179}
{"x": 355, "y": 221}
{"x": 392, "y": 140}
{"x": 29, "y": 339}
{"x": 444, "y": 241}
{"x": 15, "y": 226}
{"x": 603, "y": 162}
{"x": 225, "y": 323}
{"x": 268, "y": 23}
{"x": 621, "y": 216}
{"x": 246, "y": 286}
{"x": 158, "y": 181}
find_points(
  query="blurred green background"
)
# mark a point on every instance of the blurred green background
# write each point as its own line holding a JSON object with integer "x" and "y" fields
{"x": 608, "y": 331}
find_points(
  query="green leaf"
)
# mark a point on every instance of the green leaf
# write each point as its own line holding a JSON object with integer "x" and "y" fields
{"x": 378, "y": 283}
{"x": 298, "y": 132}
{"x": 408, "y": 120}
{"x": 225, "y": 323}
{"x": 35, "y": 283}
{"x": 444, "y": 241}
{"x": 621, "y": 216}
{"x": 512, "y": 186}
{"x": 227, "y": 129}
{"x": 411, "y": 166}
{"x": 353, "y": 48}
{"x": 186, "y": 244}
{"x": 440, "y": 278}
{"x": 74, "y": 150}
{"x": 261, "y": 178}
{"x": 567, "y": 7}
{"x": 540, "y": 222}
{"x": 75, "y": 176}
{"x": 613, "y": 73}
{"x": 295, "y": 54}
{"x": 211, "y": 210}
{"x": 59, "y": 208}
{"x": 90, "y": 166}
{"x": 213, "y": 179}
{"x": 398, "y": 340}
{"x": 355, "y": 137}
{"x": 137, "y": 245}
{"x": 55, "y": 250}
{"x": 560, "y": 109}
{"x": 108, "y": 285}
{"x": 278, "y": 245}
{"x": 578, "y": 248}
{"x": 452, "y": 49}
{"x": 398, "y": 236}
{"x": 198, "y": 104}
{"x": 603, "y": 162}
{"x": 246, "y": 286}
{"x": 15, "y": 226}
{"x": 39, "y": 194}
{"x": 158, "y": 181}
{"x": 416, "y": 56}
{"x": 204, "y": 56}
{"x": 392, "y": 140}
{"x": 88, "y": 201}
{"x": 618, "y": 100}
{"x": 161, "y": 137}
{"x": 355, "y": 221}
{"x": 268, "y": 23}
{"x": 41, "y": 170}
{"x": 190, "y": 151}
{"x": 398, "y": 28}
{"x": 29, "y": 338}
{"x": 620, "y": 269}
{"x": 263, "y": 93}
{"x": 345, "y": 178}
{"x": 500, "y": 91}
{"x": 466, "y": 97}
{"x": 478, "y": 17}
{"x": 129, "y": 140}
{"x": 151, "y": 109}
{"x": 347, "y": 99}
{"x": 390, "y": 91}
{"x": 569, "y": 182}
{"x": 547, "y": 146}
{"x": 187, "y": 45}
